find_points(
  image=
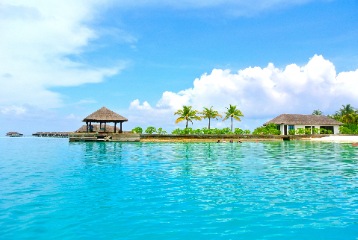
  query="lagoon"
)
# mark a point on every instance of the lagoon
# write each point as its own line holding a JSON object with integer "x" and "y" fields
{"x": 53, "y": 189}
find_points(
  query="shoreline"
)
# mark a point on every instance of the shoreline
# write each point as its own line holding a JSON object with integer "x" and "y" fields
{"x": 127, "y": 136}
{"x": 236, "y": 138}
{"x": 338, "y": 139}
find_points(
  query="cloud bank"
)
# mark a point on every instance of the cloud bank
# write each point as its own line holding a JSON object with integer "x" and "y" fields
{"x": 38, "y": 43}
{"x": 262, "y": 93}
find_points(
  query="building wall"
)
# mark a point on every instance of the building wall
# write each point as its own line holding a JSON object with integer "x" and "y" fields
{"x": 336, "y": 129}
{"x": 282, "y": 128}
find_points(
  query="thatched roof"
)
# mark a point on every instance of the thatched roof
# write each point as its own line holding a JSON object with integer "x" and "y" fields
{"x": 299, "y": 119}
{"x": 104, "y": 115}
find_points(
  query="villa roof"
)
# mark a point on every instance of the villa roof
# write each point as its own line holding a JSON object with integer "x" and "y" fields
{"x": 104, "y": 115}
{"x": 300, "y": 119}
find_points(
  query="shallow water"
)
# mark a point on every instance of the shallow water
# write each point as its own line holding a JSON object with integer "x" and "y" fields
{"x": 53, "y": 189}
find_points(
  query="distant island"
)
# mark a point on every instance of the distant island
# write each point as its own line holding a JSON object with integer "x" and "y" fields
{"x": 14, "y": 134}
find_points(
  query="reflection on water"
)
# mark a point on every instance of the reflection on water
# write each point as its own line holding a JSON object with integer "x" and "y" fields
{"x": 179, "y": 190}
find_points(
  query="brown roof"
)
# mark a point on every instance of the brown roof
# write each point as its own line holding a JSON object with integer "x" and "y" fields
{"x": 104, "y": 115}
{"x": 300, "y": 119}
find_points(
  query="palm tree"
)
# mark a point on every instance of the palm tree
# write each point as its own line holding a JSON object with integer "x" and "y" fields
{"x": 350, "y": 118}
{"x": 317, "y": 112}
{"x": 187, "y": 114}
{"x": 210, "y": 113}
{"x": 233, "y": 113}
{"x": 346, "y": 114}
{"x": 346, "y": 109}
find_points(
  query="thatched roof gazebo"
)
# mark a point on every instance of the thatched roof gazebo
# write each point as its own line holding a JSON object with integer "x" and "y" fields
{"x": 104, "y": 116}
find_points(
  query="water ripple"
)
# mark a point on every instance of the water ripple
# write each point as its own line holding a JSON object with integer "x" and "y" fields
{"x": 62, "y": 190}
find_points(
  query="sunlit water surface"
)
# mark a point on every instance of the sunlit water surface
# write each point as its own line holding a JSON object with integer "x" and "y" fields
{"x": 53, "y": 189}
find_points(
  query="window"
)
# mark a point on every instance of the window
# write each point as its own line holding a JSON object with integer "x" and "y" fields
{"x": 291, "y": 127}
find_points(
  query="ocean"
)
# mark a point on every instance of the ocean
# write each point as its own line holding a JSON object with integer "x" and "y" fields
{"x": 53, "y": 189}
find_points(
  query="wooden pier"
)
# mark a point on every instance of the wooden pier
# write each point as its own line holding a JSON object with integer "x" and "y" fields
{"x": 104, "y": 137}
{"x": 52, "y": 134}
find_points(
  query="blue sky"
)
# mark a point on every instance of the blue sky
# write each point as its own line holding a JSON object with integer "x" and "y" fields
{"x": 61, "y": 60}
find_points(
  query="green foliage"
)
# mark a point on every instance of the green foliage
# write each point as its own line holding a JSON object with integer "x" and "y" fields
{"x": 347, "y": 114}
{"x": 233, "y": 113}
{"x": 348, "y": 129}
{"x": 300, "y": 131}
{"x": 307, "y": 130}
{"x": 210, "y": 113}
{"x": 176, "y": 131}
{"x": 137, "y": 130}
{"x": 269, "y": 129}
{"x": 292, "y": 132}
{"x": 226, "y": 131}
{"x": 187, "y": 114}
{"x": 239, "y": 131}
{"x": 206, "y": 131}
{"x": 324, "y": 131}
{"x": 315, "y": 130}
{"x": 161, "y": 131}
{"x": 150, "y": 130}
{"x": 317, "y": 112}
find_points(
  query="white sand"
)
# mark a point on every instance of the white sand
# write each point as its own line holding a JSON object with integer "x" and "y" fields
{"x": 341, "y": 139}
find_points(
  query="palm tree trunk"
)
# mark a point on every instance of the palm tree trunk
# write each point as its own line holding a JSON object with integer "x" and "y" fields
{"x": 232, "y": 123}
{"x": 186, "y": 126}
{"x": 209, "y": 124}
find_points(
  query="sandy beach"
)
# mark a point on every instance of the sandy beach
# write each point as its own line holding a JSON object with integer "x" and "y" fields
{"x": 340, "y": 139}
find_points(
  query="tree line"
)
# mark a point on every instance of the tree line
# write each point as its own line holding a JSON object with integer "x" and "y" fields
{"x": 347, "y": 114}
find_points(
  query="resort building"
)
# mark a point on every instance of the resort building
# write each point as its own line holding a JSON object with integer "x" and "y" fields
{"x": 305, "y": 124}
{"x": 104, "y": 116}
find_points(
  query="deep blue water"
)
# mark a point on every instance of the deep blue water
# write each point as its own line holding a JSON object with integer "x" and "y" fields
{"x": 53, "y": 189}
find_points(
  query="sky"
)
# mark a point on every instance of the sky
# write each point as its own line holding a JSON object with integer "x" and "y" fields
{"x": 61, "y": 60}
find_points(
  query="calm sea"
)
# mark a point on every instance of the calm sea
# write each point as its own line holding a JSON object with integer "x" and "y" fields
{"x": 53, "y": 189}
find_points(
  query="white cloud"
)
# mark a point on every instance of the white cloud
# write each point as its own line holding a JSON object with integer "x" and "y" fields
{"x": 38, "y": 40}
{"x": 263, "y": 93}
{"x": 9, "y": 110}
{"x": 135, "y": 104}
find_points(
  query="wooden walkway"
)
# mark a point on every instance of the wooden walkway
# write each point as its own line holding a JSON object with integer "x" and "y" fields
{"x": 52, "y": 134}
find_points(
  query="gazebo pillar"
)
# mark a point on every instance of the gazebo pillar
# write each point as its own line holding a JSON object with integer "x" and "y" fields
{"x": 120, "y": 130}
{"x": 115, "y": 127}
{"x": 87, "y": 126}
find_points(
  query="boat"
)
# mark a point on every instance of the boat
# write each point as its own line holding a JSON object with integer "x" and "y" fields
{"x": 14, "y": 134}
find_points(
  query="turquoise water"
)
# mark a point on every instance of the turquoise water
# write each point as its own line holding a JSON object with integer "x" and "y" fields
{"x": 53, "y": 189}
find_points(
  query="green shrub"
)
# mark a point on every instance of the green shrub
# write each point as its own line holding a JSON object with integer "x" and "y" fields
{"x": 247, "y": 132}
{"x": 176, "y": 131}
{"x": 198, "y": 131}
{"x": 137, "y": 130}
{"x": 292, "y": 132}
{"x": 269, "y": 129}
{"x": 150, "y": 130}
{"x": 161, "y": 131}
{"x": 315, "y": 131}
{"x": 349, "y": 129}
{"x": 307, "y": 130}
{"x": 300, "y": 131}
{"x": 226, "y": 131}
{"x": 239, "y": 131}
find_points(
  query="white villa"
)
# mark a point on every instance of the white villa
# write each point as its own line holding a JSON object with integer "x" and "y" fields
{"x": 287, "y": 122}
